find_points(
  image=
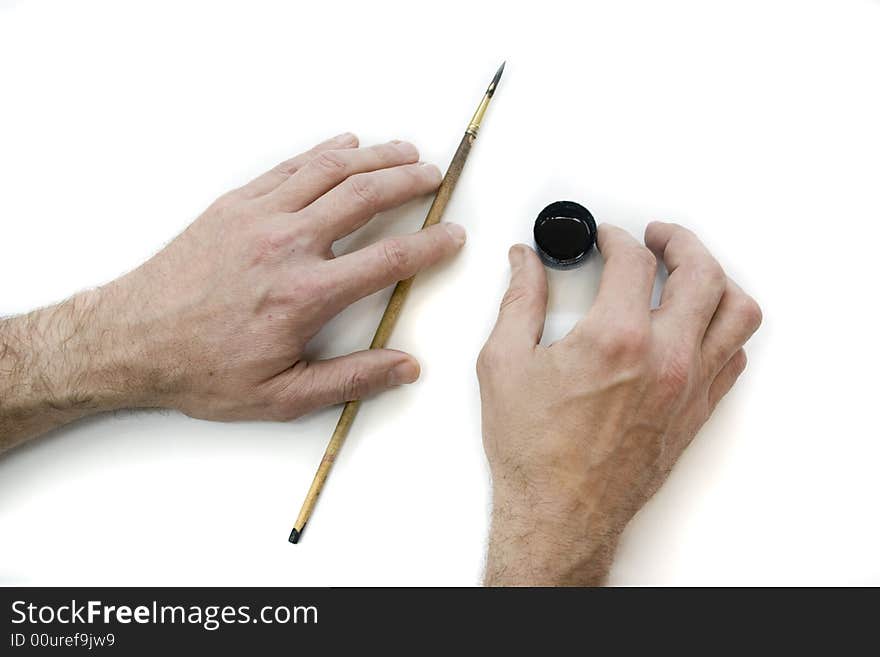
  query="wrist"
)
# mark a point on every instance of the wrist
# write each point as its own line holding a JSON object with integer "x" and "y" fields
{"x": 80, "y": 355}
{"x": 551, "y": 536}
{"x": 67, "y": 361}
{"x": 120, "y": 356}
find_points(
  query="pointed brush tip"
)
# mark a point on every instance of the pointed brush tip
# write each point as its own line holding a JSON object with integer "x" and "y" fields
{"x": 494, "y": 83}
{"x": 499, "y": 72}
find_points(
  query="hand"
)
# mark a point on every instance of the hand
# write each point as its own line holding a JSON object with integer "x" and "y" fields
{"x": 216, "y": 323}
{"x": 579, "y": 435}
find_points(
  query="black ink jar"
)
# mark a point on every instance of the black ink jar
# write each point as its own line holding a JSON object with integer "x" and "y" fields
{"x": 565, "y": 233}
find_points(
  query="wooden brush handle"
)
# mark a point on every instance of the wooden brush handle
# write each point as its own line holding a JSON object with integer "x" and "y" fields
{"x": 383, "y": 332}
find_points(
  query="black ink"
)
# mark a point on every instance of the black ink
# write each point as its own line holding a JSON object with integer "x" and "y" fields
{"x": 565, "y": 233}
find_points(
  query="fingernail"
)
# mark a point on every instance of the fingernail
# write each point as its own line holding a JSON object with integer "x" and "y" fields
{"x": 345, "y": 138}
{"x": 407, "y": 149}
{"x": 405, "y": 372}
{"x": 515, "y": 256}
{"x": 457, "y": 232}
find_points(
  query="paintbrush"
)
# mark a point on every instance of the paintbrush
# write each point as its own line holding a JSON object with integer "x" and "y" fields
{"x": 392, "y": 310}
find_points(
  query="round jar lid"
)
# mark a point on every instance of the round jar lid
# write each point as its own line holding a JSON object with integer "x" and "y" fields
{"x": 565, "y": 233}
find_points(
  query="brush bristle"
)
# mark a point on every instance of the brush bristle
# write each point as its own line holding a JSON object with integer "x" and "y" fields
{"x": 494, "y": 83}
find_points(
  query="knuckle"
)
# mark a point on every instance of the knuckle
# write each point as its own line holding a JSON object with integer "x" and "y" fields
{"x": 417, "y": 175}
{"x": 298, "y": 291}
{"x": 301, "y": 236}
{"x": 679, "y": 239}
{"x": 269, "y": 246}
{"x": 386, "y": 153}
{"x": 739, "y": 362}
{"x": 654, "y": 233}
{"x": 319, "y": 297}
{"x": 711, "y": 273}
{"x": 748, "y": 310}
{"x": 226, "y": 203}
{"x": 624, "y": 342}
{"x": 489, "y": 359}
{"x": 364, "y": 190}
{"x": 288, "y": 167}
{"x": 355, "y": 385}
{"x": 513, "y": 296}
{"x": 396, "y": 258}
{"x": 652, "y": 229}
{"x": 331, "y": 161}
{"x": 701, "y": 411}
{"x": 681, "y": 232}
{"x": 306, "y": 295}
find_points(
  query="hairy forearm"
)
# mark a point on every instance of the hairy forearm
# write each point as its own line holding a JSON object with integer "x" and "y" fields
{"x": 67, "y": 361}
{"x": 536, "y": 540}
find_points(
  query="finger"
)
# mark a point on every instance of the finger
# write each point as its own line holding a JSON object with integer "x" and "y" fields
{"x": 309, "y": 386}
{"x": 737, "y": 318}
{"x": 524, "y": 305}
{"x": 696, "y": 281}
{"x": 330, "y": 167}
{"x": 627, "y": 277}
{"x": 348, "y": 206}
{"x": 356, "y": 275}
{"x": 268, "y": 181}
{"x": 726, "y": 378}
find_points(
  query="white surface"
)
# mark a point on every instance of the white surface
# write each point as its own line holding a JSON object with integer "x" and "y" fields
{"x": 756, "y": 122}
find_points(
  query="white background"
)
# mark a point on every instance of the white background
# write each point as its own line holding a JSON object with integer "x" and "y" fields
{"x": 755, "y": 122}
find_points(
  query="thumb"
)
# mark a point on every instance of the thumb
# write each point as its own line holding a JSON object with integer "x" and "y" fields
{"x": 312, "y": 385}
{"x": 524, "y": 306}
